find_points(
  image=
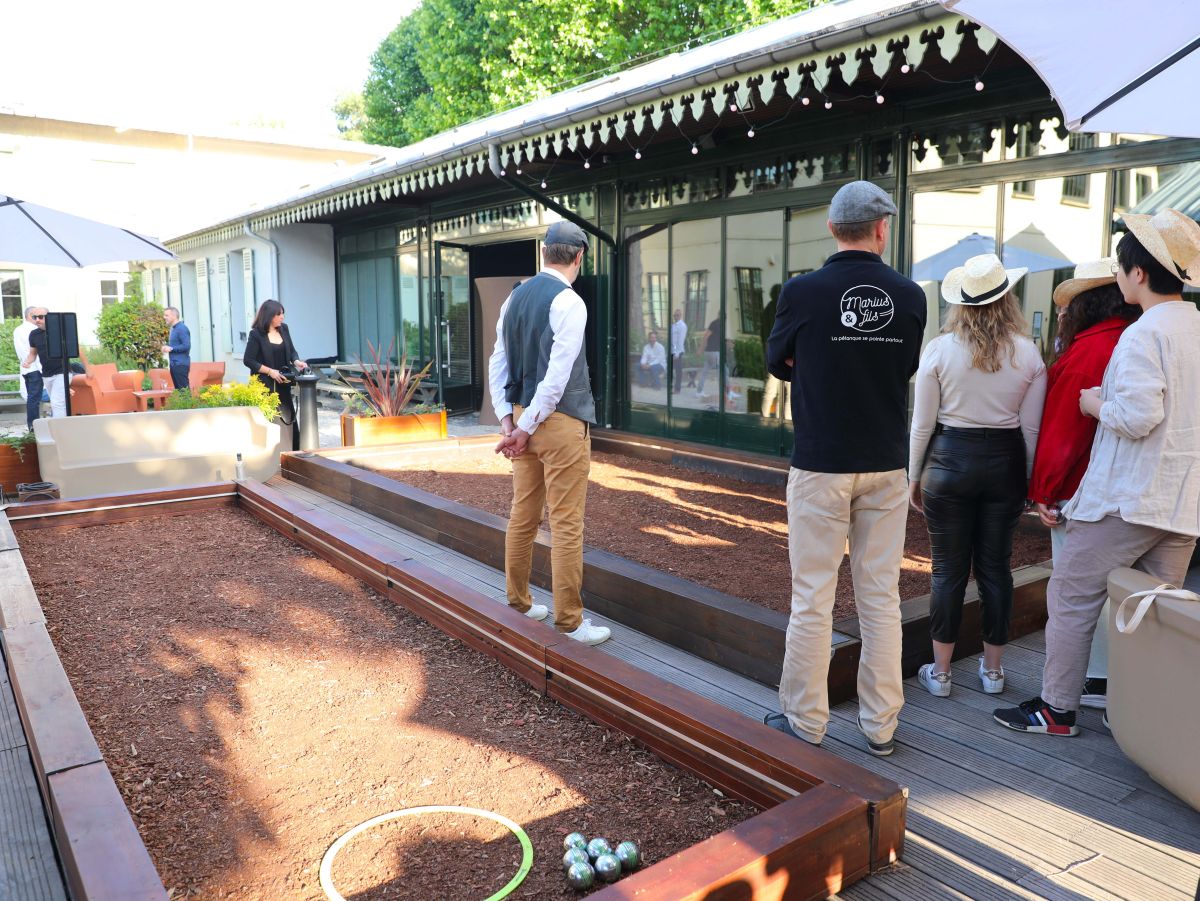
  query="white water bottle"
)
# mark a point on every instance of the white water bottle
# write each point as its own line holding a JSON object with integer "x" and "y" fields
{"x": 239, "y": 469}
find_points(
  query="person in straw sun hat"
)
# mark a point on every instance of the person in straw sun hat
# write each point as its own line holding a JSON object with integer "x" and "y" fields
{"x": 1138, "y": 503}
{"x": 978, "y": 402}
{"x": 1094, "y": 316}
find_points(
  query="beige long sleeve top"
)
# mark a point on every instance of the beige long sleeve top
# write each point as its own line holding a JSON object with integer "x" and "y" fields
{"x": 1145, "y": 464}
{"x": 950, "y": 391}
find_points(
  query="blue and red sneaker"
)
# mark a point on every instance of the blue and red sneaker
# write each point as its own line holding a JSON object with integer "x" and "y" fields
{"x": 1036, "y": 715}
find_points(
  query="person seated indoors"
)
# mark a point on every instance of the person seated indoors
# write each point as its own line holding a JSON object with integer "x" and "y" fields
{"x": 653, "y": 364}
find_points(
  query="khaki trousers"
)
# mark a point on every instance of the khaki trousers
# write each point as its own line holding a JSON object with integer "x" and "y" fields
{"x": 1079, "y": 587}
{"x": 553, "y": 472}
{"x": 824, "y": 509}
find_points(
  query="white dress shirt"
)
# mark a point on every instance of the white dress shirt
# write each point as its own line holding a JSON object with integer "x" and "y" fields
{"x": 1145, "y": 463}
{"x": 678, "y": 337}
{"x": 21, "y": 345}
{"x": 950, "y": 391}
{"x": 654, "y": 354}
{"x": 568, "y": 319}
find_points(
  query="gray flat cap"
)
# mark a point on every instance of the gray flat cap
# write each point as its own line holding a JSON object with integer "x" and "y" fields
{"x": 566, "y": 233}
{"x": 860, "y": 201}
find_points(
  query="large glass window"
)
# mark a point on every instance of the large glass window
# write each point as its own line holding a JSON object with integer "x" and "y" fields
{"x": 695, "y": 247}
{"x": 695, "y": 299}
{"x": 11, "y": 296}
{"x": 648, "y": 261}
{"x": 949, "y": 227}
{"x": 110, "y": 289}
{"x": 754, "y": 263}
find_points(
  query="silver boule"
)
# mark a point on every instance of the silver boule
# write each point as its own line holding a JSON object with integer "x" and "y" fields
{"x": 598, "y": 846}
{"x": 608, "y": 868}
{"x": 581, "y": 876}
{"x": 629, "y": 855}
{"x": 574, "y": 840}
{"x": 575, "y": 855}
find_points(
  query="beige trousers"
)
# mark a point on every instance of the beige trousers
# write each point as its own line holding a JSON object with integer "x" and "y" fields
{"x": 553, "y": 473}
{"x": 824, "y": 509}
{"x": 1079, "y": 587}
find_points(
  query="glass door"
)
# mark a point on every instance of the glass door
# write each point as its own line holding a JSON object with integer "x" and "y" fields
{"x": 452, "y": 264}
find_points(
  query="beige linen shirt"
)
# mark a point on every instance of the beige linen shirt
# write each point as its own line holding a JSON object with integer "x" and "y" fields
{"x": 1145, "y": 463}
{"x": 951, "y": 391}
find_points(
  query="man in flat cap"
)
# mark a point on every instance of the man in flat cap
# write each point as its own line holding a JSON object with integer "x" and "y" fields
{"x": 542, "y": 395}
{"x": 848, "y": 339}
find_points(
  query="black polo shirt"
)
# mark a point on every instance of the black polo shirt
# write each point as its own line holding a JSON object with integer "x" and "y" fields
{"x": 854, "y": 329}
{"x": 37, "y": 338}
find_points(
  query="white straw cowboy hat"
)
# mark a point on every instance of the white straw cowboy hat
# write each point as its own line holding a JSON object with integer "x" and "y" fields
{"x": 982, "y": 280}
{"x": 1173, "y": 239}
{"x": 1087, "y": 276}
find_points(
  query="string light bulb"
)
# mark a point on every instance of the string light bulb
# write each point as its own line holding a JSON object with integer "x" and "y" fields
{"x": 750, "y": 133}
{"x": 695, "y": 150}
{"x": 979, "y": 84}
{"x": 733, "y": 107}
{"x": 518, "y": 170}
{"x": 828, "y": 104}
{"x": 503, "y": 172}
{"x": 637, "y": 154}
{"x": 543, "y": 184}
{"x": 587, "y": 164}
{"x": 878, "y": 98}
{"x": 905, "y": 68}
{"x": 804, "y": 101}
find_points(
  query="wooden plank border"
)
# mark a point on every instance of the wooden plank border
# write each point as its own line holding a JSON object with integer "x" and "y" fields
{"x": 735, "y": 634}
{"x": 102, "y": 854}
{"x": 827, "y": 822}
{"x": 744, "y": 758}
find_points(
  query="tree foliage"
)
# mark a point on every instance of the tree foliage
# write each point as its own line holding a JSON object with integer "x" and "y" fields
{"x": 133, "y": 329}
{"x": 451, "y": 61}
{"x": 351, "y": 117}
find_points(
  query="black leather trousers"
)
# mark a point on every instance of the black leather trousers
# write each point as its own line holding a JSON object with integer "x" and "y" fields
{"x": 973, "y": 487}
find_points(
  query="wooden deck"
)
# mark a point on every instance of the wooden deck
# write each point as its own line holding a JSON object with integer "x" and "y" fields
{"x": 28, "y": 867}
{"x": 992, "y": 814}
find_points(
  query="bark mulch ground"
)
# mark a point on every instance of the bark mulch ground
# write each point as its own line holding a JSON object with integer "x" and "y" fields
{"x": 254, "y": 704}
{"x": 719, "y": 531}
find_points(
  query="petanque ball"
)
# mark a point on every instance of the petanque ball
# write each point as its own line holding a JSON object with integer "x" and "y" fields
{"x": 598, "y": 846}
{"x": 629, "y": 855}
{"x": 575, "y": 840}
{"x": 608, "y": 868}
{"x": 581, "y": 876}
{"x": 575, "y": 855}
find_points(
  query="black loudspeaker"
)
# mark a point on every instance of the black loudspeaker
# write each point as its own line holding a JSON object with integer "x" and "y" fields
{"x": 62, "y": 336}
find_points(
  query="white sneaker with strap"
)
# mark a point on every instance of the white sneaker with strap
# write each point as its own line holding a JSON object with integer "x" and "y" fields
{"x": 991, "y": 679}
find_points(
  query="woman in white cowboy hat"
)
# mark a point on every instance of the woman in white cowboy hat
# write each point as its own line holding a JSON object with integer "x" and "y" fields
{"x": 979, "y": 396}
{"x": 1139, "y": 501}
{"x": 1094, "y": 316}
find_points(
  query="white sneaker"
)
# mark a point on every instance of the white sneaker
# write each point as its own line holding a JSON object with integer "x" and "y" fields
{"x": 938, "y": 684}
{"x": 538, "y": 612}
{"x": 991, "y": 679}
{"x": 589, "y": 634}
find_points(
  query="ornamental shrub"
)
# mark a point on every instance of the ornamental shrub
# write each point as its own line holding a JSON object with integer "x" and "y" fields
{"x": 9, "y": 363}
{"x": 235, "y": 394}
{"x": 135, "y": 330}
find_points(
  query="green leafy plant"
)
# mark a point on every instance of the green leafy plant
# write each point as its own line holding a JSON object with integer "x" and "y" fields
{"x": 235, "y": 394}
{"x": 95, "y": 355}
{"x": 9, "y": 364}
{"x": 385, "y": 388}
{"x": 135, "y": 330}
{"x": 749, "y": 359}
{"x": 19, "y": 443}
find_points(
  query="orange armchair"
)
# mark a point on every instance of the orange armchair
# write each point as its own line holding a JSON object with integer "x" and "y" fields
{"x": 97, "y": 391}
{"x": 201, "y": 375}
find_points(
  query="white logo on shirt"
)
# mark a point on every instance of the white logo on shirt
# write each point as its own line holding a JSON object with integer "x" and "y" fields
{"x": 866, "y": 308}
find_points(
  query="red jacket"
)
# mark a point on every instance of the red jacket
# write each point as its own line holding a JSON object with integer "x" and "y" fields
{"x": 1065, "y": 440}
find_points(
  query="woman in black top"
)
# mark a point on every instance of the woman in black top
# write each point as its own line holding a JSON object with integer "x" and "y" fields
{"x": 269, "y": 349}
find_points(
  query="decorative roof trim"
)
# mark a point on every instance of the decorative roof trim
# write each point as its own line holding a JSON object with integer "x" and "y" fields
{"x": 939, "y": 39}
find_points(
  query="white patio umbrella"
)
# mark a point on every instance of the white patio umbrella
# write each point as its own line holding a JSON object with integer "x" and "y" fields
{"x": 35, "y": 234}
{"x": 1111, "y": 65}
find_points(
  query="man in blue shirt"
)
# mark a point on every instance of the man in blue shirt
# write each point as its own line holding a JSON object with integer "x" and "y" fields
{"x": 178, "y": 348}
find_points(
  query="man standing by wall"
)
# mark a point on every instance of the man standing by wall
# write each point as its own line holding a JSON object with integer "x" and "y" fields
{"x": 848, "y": 338}
{"x": 678, "y": 344}
{"x": 178, "y": 348}
{"x": 31, "y": 375}
{"x": 538, "y": 374}
{"x": 52, "y": 367}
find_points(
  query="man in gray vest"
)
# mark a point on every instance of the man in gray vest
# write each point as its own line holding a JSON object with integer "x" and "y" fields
{"x": 542, "y": 395}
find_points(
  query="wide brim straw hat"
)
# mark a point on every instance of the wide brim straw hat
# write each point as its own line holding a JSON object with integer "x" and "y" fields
{"x": 1173, "y": 239}
{"x": 980, "y": 281}
{"x": 1088, "y": 275}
